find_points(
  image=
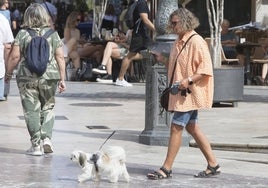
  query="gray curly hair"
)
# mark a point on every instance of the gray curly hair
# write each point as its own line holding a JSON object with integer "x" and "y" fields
{"x": 188, "y": 20}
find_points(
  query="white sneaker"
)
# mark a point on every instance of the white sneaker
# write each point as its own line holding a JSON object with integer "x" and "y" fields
{"x": 107, "y": 79}
{"x": 35, "y": 151}
{"x": 47, "y": 145}
{"x": 123, "y": 83}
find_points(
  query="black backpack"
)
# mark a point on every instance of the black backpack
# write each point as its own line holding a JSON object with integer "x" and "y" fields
{"x": 37, "y": 52}
{"x": 128, "y": 18}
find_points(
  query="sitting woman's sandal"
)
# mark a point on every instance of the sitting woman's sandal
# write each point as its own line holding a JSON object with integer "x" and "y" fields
{"x": 211, "y": 171}
{"x": 157, "y": 175}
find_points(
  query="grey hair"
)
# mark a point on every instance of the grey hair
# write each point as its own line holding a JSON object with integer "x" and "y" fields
{"x": 36, "y": 16}
{"x": 188, "y": 21}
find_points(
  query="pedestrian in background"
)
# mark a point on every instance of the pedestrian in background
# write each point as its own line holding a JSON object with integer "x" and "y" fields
{"x": 139, "y": 41}
{"x": 4, "y": 10}
{"x": 6, "y": 38}
{"x": 193, "y": 72}
{"x": 38, "y": 92}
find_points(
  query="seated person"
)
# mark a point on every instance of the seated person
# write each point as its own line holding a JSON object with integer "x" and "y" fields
{"x": 228, "y": 40}
{"x": 76, "y": 47}
{"x": 117, "y": 49}
{"x": 88, "y": 50}
{"x": 71, "y": 38}
{"x": 261, "y": 79}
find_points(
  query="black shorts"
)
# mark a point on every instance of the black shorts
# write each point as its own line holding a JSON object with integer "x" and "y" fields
{"x": 138, "y": 43}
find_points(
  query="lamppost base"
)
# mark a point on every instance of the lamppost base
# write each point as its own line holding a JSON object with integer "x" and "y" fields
{"x": 161, "y": 138}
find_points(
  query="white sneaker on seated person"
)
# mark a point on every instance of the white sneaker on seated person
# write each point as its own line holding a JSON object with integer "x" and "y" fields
{"x": 122, "y": 83}
{"x": 100, "y": 70}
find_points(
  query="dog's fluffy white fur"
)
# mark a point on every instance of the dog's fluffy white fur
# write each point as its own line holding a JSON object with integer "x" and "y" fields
{"x": 81, "y": 158}
{"x": 110, "y": 162}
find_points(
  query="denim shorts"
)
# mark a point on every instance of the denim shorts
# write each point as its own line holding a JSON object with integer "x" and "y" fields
{"x": 184, "y": 118}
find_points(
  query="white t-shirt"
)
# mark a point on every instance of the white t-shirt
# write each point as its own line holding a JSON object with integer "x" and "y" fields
{"x": 6, "y": 36}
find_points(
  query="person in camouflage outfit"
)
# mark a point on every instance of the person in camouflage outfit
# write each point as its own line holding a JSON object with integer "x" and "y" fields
{"x": 38, "y": 92}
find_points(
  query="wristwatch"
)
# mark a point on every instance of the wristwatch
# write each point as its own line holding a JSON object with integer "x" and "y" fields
{"x": 190, "y": 81}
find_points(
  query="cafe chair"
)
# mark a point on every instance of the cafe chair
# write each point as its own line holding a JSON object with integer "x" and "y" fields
{"x": 227, "y": 61}
{"x": 259, "y": 57}
{"x": 224, "y": 60}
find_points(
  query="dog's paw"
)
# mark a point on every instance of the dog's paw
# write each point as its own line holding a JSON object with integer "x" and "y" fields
{"x": 96, "y": 178}
{"x": 127, "y": 179}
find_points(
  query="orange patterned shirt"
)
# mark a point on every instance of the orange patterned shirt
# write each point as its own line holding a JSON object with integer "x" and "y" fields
{"x": 195, "y": 58}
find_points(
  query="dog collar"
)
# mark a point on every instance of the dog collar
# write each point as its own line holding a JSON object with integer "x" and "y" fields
{"x": 94, "y": 159}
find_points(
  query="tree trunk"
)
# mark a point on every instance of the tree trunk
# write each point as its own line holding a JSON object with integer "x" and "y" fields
{"x": 215, "y": 18}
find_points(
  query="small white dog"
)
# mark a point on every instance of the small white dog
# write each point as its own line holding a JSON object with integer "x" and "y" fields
{"x": 81, "y": 158}
{"x": 109, "y": 161}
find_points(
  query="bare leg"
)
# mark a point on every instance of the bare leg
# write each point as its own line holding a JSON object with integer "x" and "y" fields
{"x": 88, "y": 50}
{"x": 75, "y": 59}
{"x": 108, "y": 52}
{"x": 173, "y": 145}
{"x": 72, "y": 52}
{"x": 264, "y": 71}
{"x": 109, "y": 66}
{"x": 125, "y": 64}
{"x": 173, "y": 148}
{"x": 203, "y": 144}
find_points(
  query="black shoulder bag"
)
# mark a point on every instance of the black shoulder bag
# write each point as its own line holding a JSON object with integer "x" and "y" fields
{"x": 164, "y": 97}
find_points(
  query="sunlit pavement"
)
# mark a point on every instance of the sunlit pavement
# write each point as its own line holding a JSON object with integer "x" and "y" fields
{"x": 87, "y": 113}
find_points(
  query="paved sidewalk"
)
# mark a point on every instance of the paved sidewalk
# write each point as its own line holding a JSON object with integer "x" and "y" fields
{"x": 95, "y": 105}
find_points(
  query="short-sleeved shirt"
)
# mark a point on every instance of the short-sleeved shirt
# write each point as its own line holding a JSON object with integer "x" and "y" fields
{"x": 194, "y": 59}
{"x": 7, "y": 14}
{"x": 6, "y": 36}
{"x": 229, "y": 36}
{"x": 23, "y": 38}
{"x": 140, "y": 35}
{"x": 142, "y": 30}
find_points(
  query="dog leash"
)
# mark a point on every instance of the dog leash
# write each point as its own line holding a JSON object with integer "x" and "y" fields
{"x": 95, "y": 157}
{"x": 107, "y": 139}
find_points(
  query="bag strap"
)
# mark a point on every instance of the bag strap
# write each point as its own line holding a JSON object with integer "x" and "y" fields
{"x": 171, "y": 80}
{"x": 46, "y": 35}
{"x": 31, "y": 32}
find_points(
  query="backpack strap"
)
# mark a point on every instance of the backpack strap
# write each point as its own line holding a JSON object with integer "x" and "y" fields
{"x": 31, "y": 32}
{"x": 48, "y": 33}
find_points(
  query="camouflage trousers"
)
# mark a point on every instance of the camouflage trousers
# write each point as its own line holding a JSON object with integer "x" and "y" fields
{"x": 38, "y": 101}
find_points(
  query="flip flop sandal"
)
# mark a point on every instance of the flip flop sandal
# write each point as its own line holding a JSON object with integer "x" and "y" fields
{"x": 212, "y": 172}
{"x": 157, "y": 175}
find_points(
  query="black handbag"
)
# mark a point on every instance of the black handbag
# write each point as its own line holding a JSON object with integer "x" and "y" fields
{"x": 85, "y": 72}
{"x": 164, "y": 97}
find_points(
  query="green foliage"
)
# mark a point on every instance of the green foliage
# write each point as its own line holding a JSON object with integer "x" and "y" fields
{"x": 81, "y": 5}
